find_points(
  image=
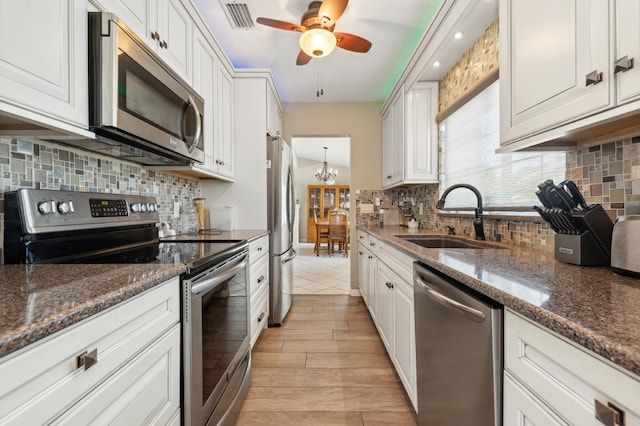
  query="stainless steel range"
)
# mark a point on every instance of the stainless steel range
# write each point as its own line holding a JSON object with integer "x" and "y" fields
{"x": 44, "y": 226}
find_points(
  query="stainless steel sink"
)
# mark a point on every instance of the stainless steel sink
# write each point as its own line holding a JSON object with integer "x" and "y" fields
{"x": 447, "y": 241}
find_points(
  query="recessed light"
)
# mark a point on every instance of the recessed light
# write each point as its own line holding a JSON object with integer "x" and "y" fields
{"x": 458, "y": 35}
{"x": 436, "y": 64}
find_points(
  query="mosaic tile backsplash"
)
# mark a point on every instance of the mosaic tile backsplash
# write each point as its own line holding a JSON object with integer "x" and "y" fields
{"x": 607, "y": 173}
{"x": 44, "y": 165}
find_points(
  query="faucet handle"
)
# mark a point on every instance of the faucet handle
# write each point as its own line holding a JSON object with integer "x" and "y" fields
{"x": 450, "y": 229}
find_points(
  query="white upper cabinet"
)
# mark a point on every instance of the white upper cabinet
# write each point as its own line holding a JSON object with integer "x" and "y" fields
{"x": 410, "y": 137}
{"x": 568, "y": 70}
{"x": 554, "y": 63}
{"x": 627, "y": 48}
{"x": 274, "y": 116}
{"x": 164, "y": 25}
{"x": 224, "y": 142}
{"x": 43, "y": 61}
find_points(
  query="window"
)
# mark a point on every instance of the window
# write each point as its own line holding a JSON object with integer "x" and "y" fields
{"x": 470, "y": 137}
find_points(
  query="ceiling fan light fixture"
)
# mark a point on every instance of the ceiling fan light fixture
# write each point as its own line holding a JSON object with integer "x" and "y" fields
{"x": 317, "y": 42}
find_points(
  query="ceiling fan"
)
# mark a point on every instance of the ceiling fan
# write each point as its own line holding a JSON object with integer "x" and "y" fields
{"x": 316, "y": 25}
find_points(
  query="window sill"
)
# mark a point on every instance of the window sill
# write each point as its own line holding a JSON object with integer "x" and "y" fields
{"x": 512, "y": 216}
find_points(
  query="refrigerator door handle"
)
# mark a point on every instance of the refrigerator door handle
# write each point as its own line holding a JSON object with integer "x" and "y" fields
{"x": 291, "y": 202}
{"x": 290, "y": 258}
{"x": 453, "y": 305}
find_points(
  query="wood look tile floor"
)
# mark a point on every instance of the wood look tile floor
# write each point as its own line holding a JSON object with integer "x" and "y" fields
{"x": 326, "y": 365}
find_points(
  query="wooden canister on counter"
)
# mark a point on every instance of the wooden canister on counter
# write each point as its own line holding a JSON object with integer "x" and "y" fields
{"x": 200, "y": 209}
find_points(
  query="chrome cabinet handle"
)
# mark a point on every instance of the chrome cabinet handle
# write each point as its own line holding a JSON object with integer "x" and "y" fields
{"x": 155, "y": 35}
{"x": 623, "y": 64}
{"x": 260, "y": 279}
{"x": 164, "y": 44}
{"x": 594, "y": 77}
{"x": 87, "y": 359}
{"x": 261, "y": 317}
{"x": 389, "y": 176}
{"x": 609, "y": 414}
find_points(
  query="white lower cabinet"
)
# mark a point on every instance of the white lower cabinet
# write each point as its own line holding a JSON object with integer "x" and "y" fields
{"x": 546, "y": 375}
{"x": 258, "y": 286}
{"x": 522, "y": 408}
{"x": 136, "y": 346}
{"x": 385, "y": 275}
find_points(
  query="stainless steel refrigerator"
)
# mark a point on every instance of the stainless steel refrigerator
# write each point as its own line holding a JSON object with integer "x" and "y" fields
{"x": 281, "y": 211}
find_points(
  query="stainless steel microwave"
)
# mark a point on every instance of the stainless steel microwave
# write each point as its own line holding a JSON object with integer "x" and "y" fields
{"x": 139, "y": 108}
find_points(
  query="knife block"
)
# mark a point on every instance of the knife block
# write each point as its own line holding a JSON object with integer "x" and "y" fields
{"x": 582, "y": 250}
{"x": 593, "y": 246}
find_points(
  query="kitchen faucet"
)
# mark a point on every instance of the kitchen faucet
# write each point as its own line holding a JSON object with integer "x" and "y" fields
{"x": 478, "y": 223}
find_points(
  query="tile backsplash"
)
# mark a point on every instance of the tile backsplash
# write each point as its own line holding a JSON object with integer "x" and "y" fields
{"x": 607, "y": 173}
{"x": 44, "y": 165}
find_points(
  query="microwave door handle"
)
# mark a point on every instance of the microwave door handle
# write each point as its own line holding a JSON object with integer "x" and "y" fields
{"x": 189, "y": 102}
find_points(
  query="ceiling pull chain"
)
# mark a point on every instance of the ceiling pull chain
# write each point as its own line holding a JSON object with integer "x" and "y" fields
{"x": 319, "y": 89}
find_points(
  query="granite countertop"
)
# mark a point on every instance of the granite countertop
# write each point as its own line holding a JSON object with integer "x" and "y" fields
{"x": 240, "y": 234}
{"x": 592, "y": 306}
{"x": 39, "y": 300}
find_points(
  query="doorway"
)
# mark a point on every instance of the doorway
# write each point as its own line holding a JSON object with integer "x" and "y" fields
{"x": 321, "y": 272}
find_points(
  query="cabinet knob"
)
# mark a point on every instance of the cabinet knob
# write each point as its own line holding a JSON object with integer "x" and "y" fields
{"x": 389, "y": 176}
{"x": 609, "y": 414}
{"x": 370, "y": 257}
{"x": 155, "y": 35}
{"x": 623, "y": 64}
{"x": 87, "y": 359}
{"x": 594, "y": 77}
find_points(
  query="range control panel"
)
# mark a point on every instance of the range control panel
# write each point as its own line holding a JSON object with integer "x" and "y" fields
{"x": 50, "y": 210}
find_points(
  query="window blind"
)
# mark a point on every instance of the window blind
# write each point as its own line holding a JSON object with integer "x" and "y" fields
{"x": 470, "y": 137}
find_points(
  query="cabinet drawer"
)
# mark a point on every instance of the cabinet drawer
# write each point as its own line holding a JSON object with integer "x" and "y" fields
{"x": 258, "y": 248}
{"x": 258, "y": 276}
{"x": 399, "y": 262}
{"x": 259, "y": 313}
{"x": 523, "y": 408}
{"x": 566, "y": 377}
{"x": 44, "y": 380}
{"x": 145, "y": 391}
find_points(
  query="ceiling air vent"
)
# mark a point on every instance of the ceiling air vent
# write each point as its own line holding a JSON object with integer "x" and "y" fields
{"x": 238, "y": 14}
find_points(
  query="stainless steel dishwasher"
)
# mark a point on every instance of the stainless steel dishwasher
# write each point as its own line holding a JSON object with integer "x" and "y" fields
{"x": 458, "y": 352}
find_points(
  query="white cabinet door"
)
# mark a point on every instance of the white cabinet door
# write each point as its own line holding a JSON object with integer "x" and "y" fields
{"x": 141, "y": 16}
{"x": 363, "y": 268}
{"x": 225, "y": 156}
{"x": 548, "y": 48}
{"x": 387, "y": 148}
{"x": 372, "y": 284}
{"x": 628, "y": 45}
{"x": 274, "y": 117}
{"x": 174, "y": 30}
{"x": 205, "y": 65}
{"x": 43, "y": 58}
{"x": 421, "y": 134}
{"x": 397, "y": 139}
{"x": 404, "y": 336}
{"x": 521, "y": 408}
{"x": 146, "y": 391}
{"x": 384, "y": 307}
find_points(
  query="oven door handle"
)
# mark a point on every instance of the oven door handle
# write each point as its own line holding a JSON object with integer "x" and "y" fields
{"x": 213, "y": 282}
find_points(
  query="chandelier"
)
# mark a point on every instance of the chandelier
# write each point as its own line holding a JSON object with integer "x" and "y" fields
{"x": 325, "y": 174}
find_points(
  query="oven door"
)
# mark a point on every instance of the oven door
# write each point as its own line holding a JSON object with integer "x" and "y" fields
{"x": 216, "y": 339}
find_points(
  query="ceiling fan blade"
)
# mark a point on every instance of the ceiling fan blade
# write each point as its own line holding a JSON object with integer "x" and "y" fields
{"x": 332, "y": 10}
{"x": 281, "y": 25}
{"x": 352, "y": 42}
{"x": 303, "y": 58}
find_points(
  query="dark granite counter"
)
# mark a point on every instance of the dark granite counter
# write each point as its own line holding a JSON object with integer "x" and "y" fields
{"x": 39, "y": 300}
{"x": 591, "y": 306}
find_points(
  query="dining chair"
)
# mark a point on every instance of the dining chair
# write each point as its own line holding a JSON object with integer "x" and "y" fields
{"x": 322, "y": 234}
{"x": 338, "y": 220}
